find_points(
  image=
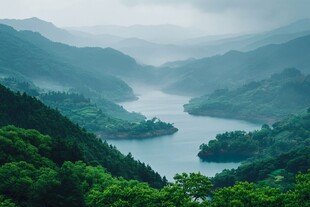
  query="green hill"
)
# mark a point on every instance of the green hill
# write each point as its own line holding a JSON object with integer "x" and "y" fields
{"x": 107, "y": 120}
{"x": 233, "y": 69}
{"x": 65, "y": 168}
{"x": 82, "y": 111}
{"x": 264, "y": 101}
{"x": 47, "y": 66}
{"x": 29, "y": 113}
{"x": 272, "y": 156}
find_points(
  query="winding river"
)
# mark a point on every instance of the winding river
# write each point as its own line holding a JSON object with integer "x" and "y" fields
{"x": 177, "y": 153}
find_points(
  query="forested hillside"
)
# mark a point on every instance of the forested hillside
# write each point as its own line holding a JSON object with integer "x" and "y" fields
{"x": 265, "y": 101}
{"x": 233, "y": 69}
{"x": 29, "y": 113}
{"x": 271, "y": 156}
{"x": 23, "y": 56}
{"x": 108, "y": 120}
{"x": 32, "y": 175}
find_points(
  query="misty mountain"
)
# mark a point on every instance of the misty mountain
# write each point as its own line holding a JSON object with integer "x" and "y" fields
{"x": 162, "y": 34}
{"x": 157, "y": 44}
{"x": 144, "y": 51}
{"x": 47, "y": 29}
{"x": 34, "y": 57}
{"x": 263, "y": 101}
{"x": 237, "y": 68}
{"x": 56, "y": 34}
{"x": 216, "y": 45}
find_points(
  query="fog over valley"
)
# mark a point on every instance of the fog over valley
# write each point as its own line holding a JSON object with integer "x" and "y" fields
{"x": 155, "y": 103}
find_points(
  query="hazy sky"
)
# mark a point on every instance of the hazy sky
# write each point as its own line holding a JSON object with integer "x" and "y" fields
{"x": 214, "y": 16}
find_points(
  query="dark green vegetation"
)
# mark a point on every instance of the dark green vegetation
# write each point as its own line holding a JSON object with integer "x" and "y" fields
{"x": 109, "y": 120}
{"x": 29, "y": 113}
{"x": 82, "y": 111}
{"x": 265, "y": 101}
{"x": 32, "y": 175}
{"x": 233, "y": 69}
{"x": 108, "y": 107}
{"x": 90, "y": 71}
{"x": 65, "y": 168}
{"x": 70, "y": 167}
{"x": 290, "y": 134}
{"x": 274, "y": 155}
{"x": 53, "y": 162}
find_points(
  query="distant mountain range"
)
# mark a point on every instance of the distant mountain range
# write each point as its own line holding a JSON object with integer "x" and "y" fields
{"x": 162, "y": 34}
{"x": 258, "y": 55}
{"x": 157, "y": 44}
{"x": 137, "y": 41}
{"x": 233, "y": 69}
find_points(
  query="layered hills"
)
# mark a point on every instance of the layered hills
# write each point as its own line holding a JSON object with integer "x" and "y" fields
{"x": 53, "y": 65}
{"x": 233, "y": 69}
{"x": 265, "y": 101}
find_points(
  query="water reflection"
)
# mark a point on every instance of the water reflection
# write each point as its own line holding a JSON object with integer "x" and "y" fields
{"x": 178, "y": 152}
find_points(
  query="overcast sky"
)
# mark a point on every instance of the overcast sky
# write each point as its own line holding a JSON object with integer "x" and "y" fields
{"x": 214, "y": 16}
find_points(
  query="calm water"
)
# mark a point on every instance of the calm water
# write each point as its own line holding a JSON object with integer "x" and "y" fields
{"x": 177, "y": 153}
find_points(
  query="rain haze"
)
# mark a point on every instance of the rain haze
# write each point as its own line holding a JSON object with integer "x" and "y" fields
{"x": 211, "y": 16}
{"x": 154, "y": 103}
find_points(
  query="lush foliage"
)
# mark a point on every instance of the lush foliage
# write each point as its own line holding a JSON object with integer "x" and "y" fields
{"x": 61, "y": 168}
{"x": 265, "y": 101}
{"x": 275, "y": 155}
{"x": 105, "y": 118}
{"x": 82, "y": 111}
{"x": 230, "y": 146}
{"x": 273, "y": 172}
{"x": 289, "y": 134}
{"x": 30, "y": 177}
{"x": 108, "y": 107}
{"x": 27, "y": 112}
{"x": 248, "y": 194}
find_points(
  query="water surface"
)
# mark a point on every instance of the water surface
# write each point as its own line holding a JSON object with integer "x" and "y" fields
{"x": 177, "y": 153}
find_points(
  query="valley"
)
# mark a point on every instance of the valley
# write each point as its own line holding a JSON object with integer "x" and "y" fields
{"x": 154, "y": 113}
{"x": 178, "y": 152}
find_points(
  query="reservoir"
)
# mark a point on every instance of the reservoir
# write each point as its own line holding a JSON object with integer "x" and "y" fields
{"x": 177, "y": 153}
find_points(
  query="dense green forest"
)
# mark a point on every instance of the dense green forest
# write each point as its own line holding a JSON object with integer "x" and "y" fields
{"x": 289, "y": 134}
{"x": 33, "y": 175}
{"x": 71, "y": 167}
{"x": 264, "y": 101}
{"x": 109, "y": 120}
{"x": 29, "y": 113}
{"x": 21, "y": 84}
{"x": 80, "y": 110}
{"x": 52, "y": 154}
{"x": 272, "y": 155}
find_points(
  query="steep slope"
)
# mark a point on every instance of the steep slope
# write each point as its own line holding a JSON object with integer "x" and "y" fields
{"x": 236, "y": 68}
{"x": 29, "y": 113}
{"x": 20, "y": 56}
{"x": 32, "y": 177}
{"x": 275, "y": 154}
{"x": 265, "y": 101}
{"x": 108, "y": 107}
